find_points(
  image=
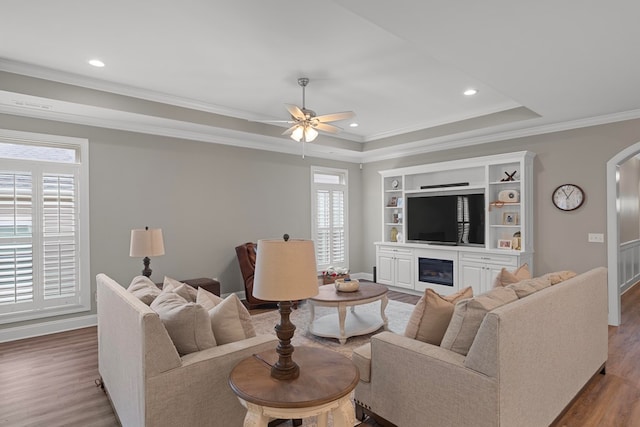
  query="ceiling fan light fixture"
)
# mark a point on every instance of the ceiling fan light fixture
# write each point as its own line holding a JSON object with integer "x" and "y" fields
{"x": 310, "y": 134}
{"x": 297, "y": 133}
{"x": 306, "y": 132}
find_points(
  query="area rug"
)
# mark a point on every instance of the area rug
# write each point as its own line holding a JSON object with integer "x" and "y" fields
{"x": 398, "y": 314}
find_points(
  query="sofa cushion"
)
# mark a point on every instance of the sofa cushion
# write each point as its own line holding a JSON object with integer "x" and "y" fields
{"x": 432, "y": 314}
{"x": 187, "y": 292}
{"x": 186, "y": 322}
{"x": 230, "y": 321}
{"x": 506, "y": 277}
{"x": 530, "y": 286}
{"x": 144, "y": 289}
{"x": 361, "y": 357}
{"x": 468, "y": 315}
{"x": 560, "y": 276}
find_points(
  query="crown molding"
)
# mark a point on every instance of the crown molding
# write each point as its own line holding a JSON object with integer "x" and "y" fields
{"x": 456, "y": 141}
{"x": 106, "y": 118}
{"x": 138, "y": 123}
{"x": 121, "y": 89}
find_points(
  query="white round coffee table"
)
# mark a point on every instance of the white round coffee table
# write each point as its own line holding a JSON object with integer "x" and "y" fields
{"x": 340, "y": 325}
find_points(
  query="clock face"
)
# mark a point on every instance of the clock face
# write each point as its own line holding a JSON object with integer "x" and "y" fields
{"x": 568, "y": 197}
{"x": 394, "y": 184}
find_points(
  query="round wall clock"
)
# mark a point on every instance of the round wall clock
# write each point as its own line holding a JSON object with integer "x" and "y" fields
{"x": 568, "y": 197}
{"x": 394, "y": 184}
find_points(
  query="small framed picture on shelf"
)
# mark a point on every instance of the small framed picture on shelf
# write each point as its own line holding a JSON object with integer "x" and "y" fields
{"x": 400, "y": 202}
{"x": 510, "y": 218}
{"x": 504, "y": 244}
{"x": 393, "y": 201}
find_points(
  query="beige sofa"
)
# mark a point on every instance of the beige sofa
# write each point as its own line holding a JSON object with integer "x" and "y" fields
{"x": 527, "y": 362}
{"x": 148, "y": 383}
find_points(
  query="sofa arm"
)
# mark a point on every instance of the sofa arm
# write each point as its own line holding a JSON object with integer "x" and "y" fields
{"x": 198, "y": 392}
{"x": 427, "y": 383}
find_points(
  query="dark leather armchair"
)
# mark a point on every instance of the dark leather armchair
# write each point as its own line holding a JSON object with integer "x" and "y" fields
{"x": 247, "y": 260}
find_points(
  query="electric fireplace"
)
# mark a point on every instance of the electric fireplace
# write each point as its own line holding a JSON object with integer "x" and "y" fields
{"x": 437, "y": 271}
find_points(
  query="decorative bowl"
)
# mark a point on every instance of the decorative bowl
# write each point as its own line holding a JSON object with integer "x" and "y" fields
{"x": 347, "y": 285}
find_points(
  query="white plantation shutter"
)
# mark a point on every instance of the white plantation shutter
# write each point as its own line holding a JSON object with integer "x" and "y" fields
{"x": 16, "y": 242}
{"x": 44, "y": 241}
{"x": 59, "y": 236}
{"x": 323, "y": 228}
{"x": 329, "y": 211}
{"x": 337, "y": 227}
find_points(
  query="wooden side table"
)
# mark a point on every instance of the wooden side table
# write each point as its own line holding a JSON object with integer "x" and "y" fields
{"x": 325, "y": 382}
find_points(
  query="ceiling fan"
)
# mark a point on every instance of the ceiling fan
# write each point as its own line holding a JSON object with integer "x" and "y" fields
{"x": 306, "y": 123}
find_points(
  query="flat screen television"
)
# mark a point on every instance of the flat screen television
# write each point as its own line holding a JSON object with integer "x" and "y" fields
{"x": 448, "y": 219}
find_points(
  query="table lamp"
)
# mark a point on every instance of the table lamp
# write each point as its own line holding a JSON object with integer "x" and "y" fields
{"x": 285, "y": 271}
{"x": 146, "y": 243}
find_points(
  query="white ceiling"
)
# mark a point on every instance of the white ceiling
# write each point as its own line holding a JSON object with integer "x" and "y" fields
{"x": 401, "y": 65}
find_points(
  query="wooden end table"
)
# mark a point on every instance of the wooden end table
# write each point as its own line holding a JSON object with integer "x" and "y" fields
{"x": 340, "y": 325}
{"x": 325, "y": 382}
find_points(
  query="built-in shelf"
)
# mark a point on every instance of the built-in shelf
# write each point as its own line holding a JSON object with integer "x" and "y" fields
{"x": 398, "y": 260}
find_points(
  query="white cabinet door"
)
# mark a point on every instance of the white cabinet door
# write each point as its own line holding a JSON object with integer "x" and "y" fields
{"x": 404, "y": 271}
{"x": 385, "y": 269}
{"x": 492, "y": 273}
{"x": 472, "y": 274}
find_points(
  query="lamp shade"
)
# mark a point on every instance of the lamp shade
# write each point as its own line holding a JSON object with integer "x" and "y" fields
{"x": 285, "y": 270}
{"x": 146, "y": 242}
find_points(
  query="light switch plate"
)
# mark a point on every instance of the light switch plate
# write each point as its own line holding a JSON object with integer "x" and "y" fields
{"x": 596, "y": 237}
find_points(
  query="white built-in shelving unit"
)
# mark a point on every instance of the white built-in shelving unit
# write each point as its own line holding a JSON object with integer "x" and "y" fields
{"x": 508, "y": 221}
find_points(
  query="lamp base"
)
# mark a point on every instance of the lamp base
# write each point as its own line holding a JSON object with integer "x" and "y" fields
{"x": 147, "y": 271}
{"x": 285, "y": 368}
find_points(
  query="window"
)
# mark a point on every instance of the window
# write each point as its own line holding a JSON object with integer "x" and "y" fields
{"x": 329, "y": 209}
{"x": 44, "y": 227}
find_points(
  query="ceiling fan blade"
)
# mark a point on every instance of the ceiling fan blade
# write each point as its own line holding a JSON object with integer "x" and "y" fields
{"x": 290, "y": 130}
{"x": 336, "y": 116}
{"x": 295, "y": 111}
{"x": 325, "y": 127}
{"x": 273, "y": 121}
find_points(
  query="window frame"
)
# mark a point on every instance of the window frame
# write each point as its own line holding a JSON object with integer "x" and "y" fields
{"x": 42, "y": 308}
{"x": 344, "y": 186}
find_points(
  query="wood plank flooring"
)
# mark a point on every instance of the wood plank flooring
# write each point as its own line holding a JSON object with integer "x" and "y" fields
{"x": 49, "y": 381}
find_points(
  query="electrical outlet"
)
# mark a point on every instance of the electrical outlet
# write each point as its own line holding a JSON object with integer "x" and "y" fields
{"x": 596, "y": 237}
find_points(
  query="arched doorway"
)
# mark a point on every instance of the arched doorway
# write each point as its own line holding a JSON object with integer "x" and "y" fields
{"x": 613, "y": 229}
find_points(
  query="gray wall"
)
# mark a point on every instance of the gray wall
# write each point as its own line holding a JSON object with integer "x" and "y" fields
{"x": 207, "y": 198}
{"x": 629, "y": 189}
{"x": 577, "y": 156}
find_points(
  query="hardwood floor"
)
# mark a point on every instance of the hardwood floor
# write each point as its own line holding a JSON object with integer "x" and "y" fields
{"x": 49, "y": 381}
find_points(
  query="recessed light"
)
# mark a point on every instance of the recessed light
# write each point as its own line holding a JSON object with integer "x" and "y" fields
{"x": 353, "y": 125}
{"x": 470, "y": 92}
{"x": 96, "y": 63}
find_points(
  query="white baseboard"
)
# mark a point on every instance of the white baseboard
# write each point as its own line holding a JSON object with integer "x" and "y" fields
{"x": 362, "y": 276}
{"x": 46, "y": 328}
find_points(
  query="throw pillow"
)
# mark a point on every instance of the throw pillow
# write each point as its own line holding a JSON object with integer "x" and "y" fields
{"x": 560, "y": 276}
{"x": 432, "y": 314}
{"x": 230, "y": 321}
{"x": 529, "y": 286}
{"x": 144, "y": 289}
{"x": 468, "y": 315}
{"x": 207, "y": 299}
{"x": 185, "y": 291}
{"x": 506, "y": 277}
{"x": 186, "y": 322}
